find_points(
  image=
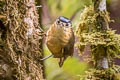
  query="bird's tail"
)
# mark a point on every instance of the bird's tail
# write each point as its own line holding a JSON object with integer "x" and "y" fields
{"x": 61, "y": 61}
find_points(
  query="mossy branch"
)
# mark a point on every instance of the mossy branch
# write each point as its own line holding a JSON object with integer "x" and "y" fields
{"x": 94, "y": 30}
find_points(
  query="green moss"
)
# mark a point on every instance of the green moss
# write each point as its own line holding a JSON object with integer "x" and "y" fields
{"x": 88, "y": 32}
{"x": 93, "y": 30}
{"x": 107, "y": 74}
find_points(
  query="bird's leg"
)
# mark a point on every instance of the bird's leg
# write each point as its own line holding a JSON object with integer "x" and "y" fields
{"x": 46, "y": 57}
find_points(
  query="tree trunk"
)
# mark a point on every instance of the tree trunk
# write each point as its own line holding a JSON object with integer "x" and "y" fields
{"x": 20, "y": 41}
{"x": 101, "y": 6}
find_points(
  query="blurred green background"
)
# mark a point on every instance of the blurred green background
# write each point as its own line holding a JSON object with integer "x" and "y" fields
{"x": 51, "y": 9}
{"x": 71, "y": 69}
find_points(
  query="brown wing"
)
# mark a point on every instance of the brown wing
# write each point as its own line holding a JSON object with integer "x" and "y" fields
{"x": 69, "y": 47}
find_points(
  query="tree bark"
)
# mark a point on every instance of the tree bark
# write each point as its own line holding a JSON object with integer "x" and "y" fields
{"x": 20, "y": 41}
{"x": 100, "y": 5}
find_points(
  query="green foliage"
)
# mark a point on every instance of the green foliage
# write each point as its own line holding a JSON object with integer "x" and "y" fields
{"x": 66, "y": 7}
{"x": 107, "y": 74}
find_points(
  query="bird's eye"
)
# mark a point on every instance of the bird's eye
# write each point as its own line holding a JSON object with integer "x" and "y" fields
{"x": 58, "y": 22}
{"x": 67, "y": 24}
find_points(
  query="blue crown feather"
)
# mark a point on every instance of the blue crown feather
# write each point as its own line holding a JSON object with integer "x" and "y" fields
{"x": 63, "y": 19}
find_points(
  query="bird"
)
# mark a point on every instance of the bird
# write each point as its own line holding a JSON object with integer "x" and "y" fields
{"x": 60, "y": 39}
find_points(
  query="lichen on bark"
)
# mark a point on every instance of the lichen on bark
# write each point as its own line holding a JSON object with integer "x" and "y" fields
{"x": 20, "y": 47}
{"x": 94, "y": 30}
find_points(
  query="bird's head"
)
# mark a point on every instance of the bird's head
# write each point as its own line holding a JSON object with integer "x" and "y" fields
{"x": 63, "y": 22}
